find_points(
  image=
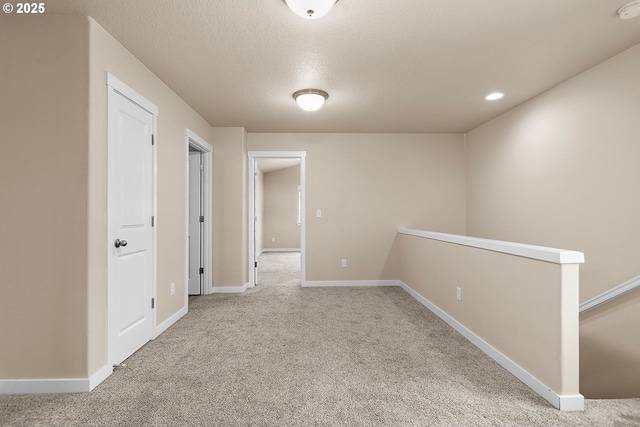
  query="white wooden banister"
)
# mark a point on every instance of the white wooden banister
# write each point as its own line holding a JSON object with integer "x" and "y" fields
{"x": 558, "y": 256}
{"x": 612, "y": 293}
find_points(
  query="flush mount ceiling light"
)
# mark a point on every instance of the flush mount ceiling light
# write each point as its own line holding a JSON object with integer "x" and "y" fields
{"x": 310, "y": 9}
{"x": 630, "y": 10}
{"x": 493, "y": 96}
{"x": 310, "y": 99}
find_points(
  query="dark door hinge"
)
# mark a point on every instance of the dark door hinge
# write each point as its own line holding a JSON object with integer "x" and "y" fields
{"x": 201, "y": 270}
{"x": 256, "y": 264}
{"x": 153, "y": 303}
{"x": 201, "y": 218}
{"x": 153, "y": 221}
{"x": 153, "y": 139}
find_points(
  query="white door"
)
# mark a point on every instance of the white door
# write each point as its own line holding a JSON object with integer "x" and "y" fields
{"x": 195, "y": 225}
{"x": 130, "y": 188}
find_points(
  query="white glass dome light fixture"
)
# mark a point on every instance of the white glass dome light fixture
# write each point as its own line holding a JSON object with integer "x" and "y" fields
{"x": 310, "y": 99}
{"x": 310, "y": 9}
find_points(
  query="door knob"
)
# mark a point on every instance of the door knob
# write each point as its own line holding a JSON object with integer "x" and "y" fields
{"x": 119, "y": 243}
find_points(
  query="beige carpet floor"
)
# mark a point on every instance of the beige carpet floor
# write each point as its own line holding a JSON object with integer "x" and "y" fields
{"x": 282, "y": 355}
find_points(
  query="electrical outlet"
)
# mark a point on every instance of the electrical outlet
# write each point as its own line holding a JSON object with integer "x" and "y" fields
{"x": 273, "y": 240}
{"x": 173, "y": 288}
{"x": 343, "y": 263}
{"x": 459, "y": 294}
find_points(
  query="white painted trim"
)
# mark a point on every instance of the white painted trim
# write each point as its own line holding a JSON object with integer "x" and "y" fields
{"x": 230, "y": 289}
{"x": 55, "y": 385}
{"x": 60, "y": 385}
{"x": 571, "y": 402}
{"x": 303, "y": 218}
{"x": 253, "y": 156}
{"x": 558, "y": 256}
{"x": 99, "y": 376}
{"x": 191, "y": 139}
{"x": 187, "y": 192}
{"x": 348, "y": 283}
{"x": 277, "y": 154}
{"x": 251, "y": 222}
{"x": 280, "y": 250}
{"x": 171, "y": 320}
{"x": 612, "y": 293}
{"x": 154, "y": 231}
{"x": 131, "y": 94}
{"x": 562, "y": 402}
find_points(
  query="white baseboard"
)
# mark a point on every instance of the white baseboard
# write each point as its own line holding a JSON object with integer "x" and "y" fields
{"x": 74, "y": 385}
{"x": 230, "y": 289}
{"x": 346, "y": 283}
{"x": 562, "y": 402}
{"x": 169, "y": 322}
{"x": 571, "y": 402}
{"x": 55, "y": 385}
{"x": 281, "y": 250}
{"x": 101, "y": 375}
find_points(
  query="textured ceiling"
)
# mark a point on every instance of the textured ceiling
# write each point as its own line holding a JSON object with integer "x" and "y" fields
{"x": 409, "y": 66}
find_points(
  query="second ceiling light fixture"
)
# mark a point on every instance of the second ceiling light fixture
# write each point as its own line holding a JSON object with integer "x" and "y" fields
{"x": 310, "y": 99}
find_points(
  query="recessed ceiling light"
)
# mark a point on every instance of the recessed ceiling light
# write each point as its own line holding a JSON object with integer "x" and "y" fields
{"x": 310, "y": 99}
{"x": 310, "y": 9}
{"x": 630, "y": 10}
{"x": 493, "y": 96}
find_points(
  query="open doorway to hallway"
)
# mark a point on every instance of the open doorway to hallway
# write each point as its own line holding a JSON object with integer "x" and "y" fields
{"x": 278, "y": 270}
{"x": 199, "y": 260}
{"x": 276, "y": 208}
{"x": 278, "y": 217}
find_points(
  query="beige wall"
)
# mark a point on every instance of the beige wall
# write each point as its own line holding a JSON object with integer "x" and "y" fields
{"x": 368, "y": 185}
{"x": 517, "y": 305}
{"x": 281, "y": 208}
{"x": 44, "y": 87}
{"x": 562, "y": 170}
{"x": 230, "y": 251}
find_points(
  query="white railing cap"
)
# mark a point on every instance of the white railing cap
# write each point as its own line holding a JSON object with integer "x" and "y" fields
{"x": 558, "y": 256}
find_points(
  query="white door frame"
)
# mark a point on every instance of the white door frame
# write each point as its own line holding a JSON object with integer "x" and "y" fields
{"x": 114, "y": 84}
{"x": 193, "y": 140}
{"x": 253, "y": 156}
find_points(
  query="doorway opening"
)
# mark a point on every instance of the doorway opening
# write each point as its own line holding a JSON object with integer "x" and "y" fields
{"x": 199, "y": 259}
{"x": 276, "y": 208}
